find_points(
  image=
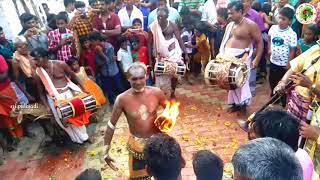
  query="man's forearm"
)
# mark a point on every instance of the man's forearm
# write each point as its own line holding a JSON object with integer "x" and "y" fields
{"x": 112, "y": 32}
{"x": 259, "y": 51}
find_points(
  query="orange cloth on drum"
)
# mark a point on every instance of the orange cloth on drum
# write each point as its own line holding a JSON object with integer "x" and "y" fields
{"x": 6, "y": 107}
{"x": 203, "y": 49}
{"x": 80, "y": 120}
{"x": 91, "y": 86}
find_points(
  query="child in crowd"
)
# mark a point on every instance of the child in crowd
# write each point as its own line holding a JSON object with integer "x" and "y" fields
{"x": 202, "y": 45}
{"x": 137, "y": 30}
{"x": 88, "y": 55}
{"x": 207, "y": 165}
{"x": 282, "y": 44}
{"x": 310, "y": 38}
{"x": 222, "y": 16}
{"x": 139, "y": 53}
{"x": 187, "y": 36}
{"x": 124, "y": 55}
{"x": 89, "y": 84}
{"x": 89, "y": 174}
{"x": 263, "y": 11}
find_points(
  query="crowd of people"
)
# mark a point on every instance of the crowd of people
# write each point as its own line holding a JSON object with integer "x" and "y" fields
{"x": 108, "y": 53}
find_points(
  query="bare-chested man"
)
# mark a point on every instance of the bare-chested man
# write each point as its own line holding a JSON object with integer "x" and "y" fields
{"x": 238, "y": 41}
{"x": 166, "y": 43}
{"x": 139, "y": 104}
{"x": 51, "y": 76}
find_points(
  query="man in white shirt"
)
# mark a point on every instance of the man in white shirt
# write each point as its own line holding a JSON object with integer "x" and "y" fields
{"x": 128, "y": 14}
{"x": 174, "y": 15}
{"x": 70, "y": 8}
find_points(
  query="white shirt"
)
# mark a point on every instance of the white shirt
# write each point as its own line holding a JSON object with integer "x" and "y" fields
{"x": 282, "y": 40}
{"x": 126, "y": 20}
{"x": 71, "y": 15}
{"x": 125, "y": 58}
{"x": 209, "y": 12}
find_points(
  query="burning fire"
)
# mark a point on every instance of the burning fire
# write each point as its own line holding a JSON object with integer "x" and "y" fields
{"x": 167, "y": 119}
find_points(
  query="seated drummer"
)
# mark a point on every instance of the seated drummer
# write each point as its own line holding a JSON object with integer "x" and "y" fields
{"x": 51, "y": 76}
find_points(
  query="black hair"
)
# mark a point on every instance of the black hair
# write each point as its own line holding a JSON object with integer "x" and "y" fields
{"x": 94, "y": 35}
{"x": 135, "y": 39}
{"x": 223, "y": 12}
{"x": 67, "y": 2}
{"x": 109, "y": 1}
{"x": 44, "y": 4}
{"x": 25, "y": 17}
{"x": 315, "y": 29}
{"x": 39, "y": 52}
{"x": 184, "y": 11}
{"x": 79, "y": 4}
{"x": 89, "y": 174}
{"x": 207, "y": 165}
{"x": 266, "y": 8}
{"x": 1, "y": 29}
{"x": 201, "y": 27}
{"x": 72, "y": 60}
{"x": 51, "y": 19}
{"x": 287, "y": 12}
{"x": 62, "y": 16}
{"x": 137, "y": 20}
{"x": 163, "y": 157}
{"x": 277, "y": 124}
{"x": 237, "y": 5}
{"x": 121, "y": 39}
{"x": 83, "y": 39}
{"x": 91, "y": 2}
{"x": 256, "y": 5}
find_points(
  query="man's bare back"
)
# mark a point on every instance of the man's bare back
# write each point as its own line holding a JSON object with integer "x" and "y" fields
{"x": 141, "y": 110}
{"x": 242, "y": 34}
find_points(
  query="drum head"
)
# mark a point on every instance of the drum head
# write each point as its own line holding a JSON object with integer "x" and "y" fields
{"x": 59, "y": 113}
{"x": 239, "y": 78}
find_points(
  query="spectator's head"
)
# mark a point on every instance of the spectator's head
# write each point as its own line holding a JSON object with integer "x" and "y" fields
{"x": 21, "y": 45}
{"x": 246, "y": 4}
{"x": 3, "y": 68}
{"x": 286, "y": 15}
{"x": 51, "y": 18}
{"x": 207, "y": 165}
{"x": 2, "y": 35}
{"x": 222, "y": 15}
{"x": 162, "y": 3}
{"x": 108, "y": 5}
{"x": 189, "y": 23}
{"x": 96, "y": 38}
{"x": 135, "y": 42}
{"x": 137, "y": 76}
{"x": 266, "y": 158}
{"x": 73, "y": 64}
{"x": 277, "y": 124}
{"x": 61, "y": 21}
{"x": 45, "y": 8}
{"x": 84, "y": 41}
{"x": 175, "y": 5}
{"x": 69, "y": 5}
{"x": 282, "y": 3}
{"x": 162, "y": 15}
{"x": 130, "y": 3}
{"x": 28, "y": 20}
{"x": 185, "y": 11}
{"x": 123, "y": 41}
{"x": 40, "y": 56}
{"x": 163, "y": 157}
{"x": 235, "y": 11}
{"x": 89, "y": 174}
{"x": 256, "y": 5}
{"x": 136, "y": 23}
{"x": 266, "y": 8}
{"x": 311, "y": 33}
{"x": 200, "y": 29}
{"x": 93, "y": 4}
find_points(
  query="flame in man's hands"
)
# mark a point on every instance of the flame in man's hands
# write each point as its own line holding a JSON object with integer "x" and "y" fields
{"x": 167, "y": 119}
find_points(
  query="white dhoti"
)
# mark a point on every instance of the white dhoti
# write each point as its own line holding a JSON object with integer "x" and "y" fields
{"x": 77, "y": 134}
{"x": 165, "y": 50}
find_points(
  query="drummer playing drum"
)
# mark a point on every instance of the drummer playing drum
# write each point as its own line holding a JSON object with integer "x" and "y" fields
{"x": 165, "y": 39}
{"x": 239, "y": 36}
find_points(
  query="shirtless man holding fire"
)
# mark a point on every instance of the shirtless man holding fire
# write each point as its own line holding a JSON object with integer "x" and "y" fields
{"x": 139, "y": 104}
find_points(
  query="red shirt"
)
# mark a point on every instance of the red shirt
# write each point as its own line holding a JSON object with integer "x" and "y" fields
{"x": 111, "y": 23}
{"x": 143, "y": 57}
{"x": 88, "y": 58}
{"x": 143, "y": 38}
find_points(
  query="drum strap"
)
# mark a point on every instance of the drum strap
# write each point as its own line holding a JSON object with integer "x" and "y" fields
{"x": 47, "y": 82}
